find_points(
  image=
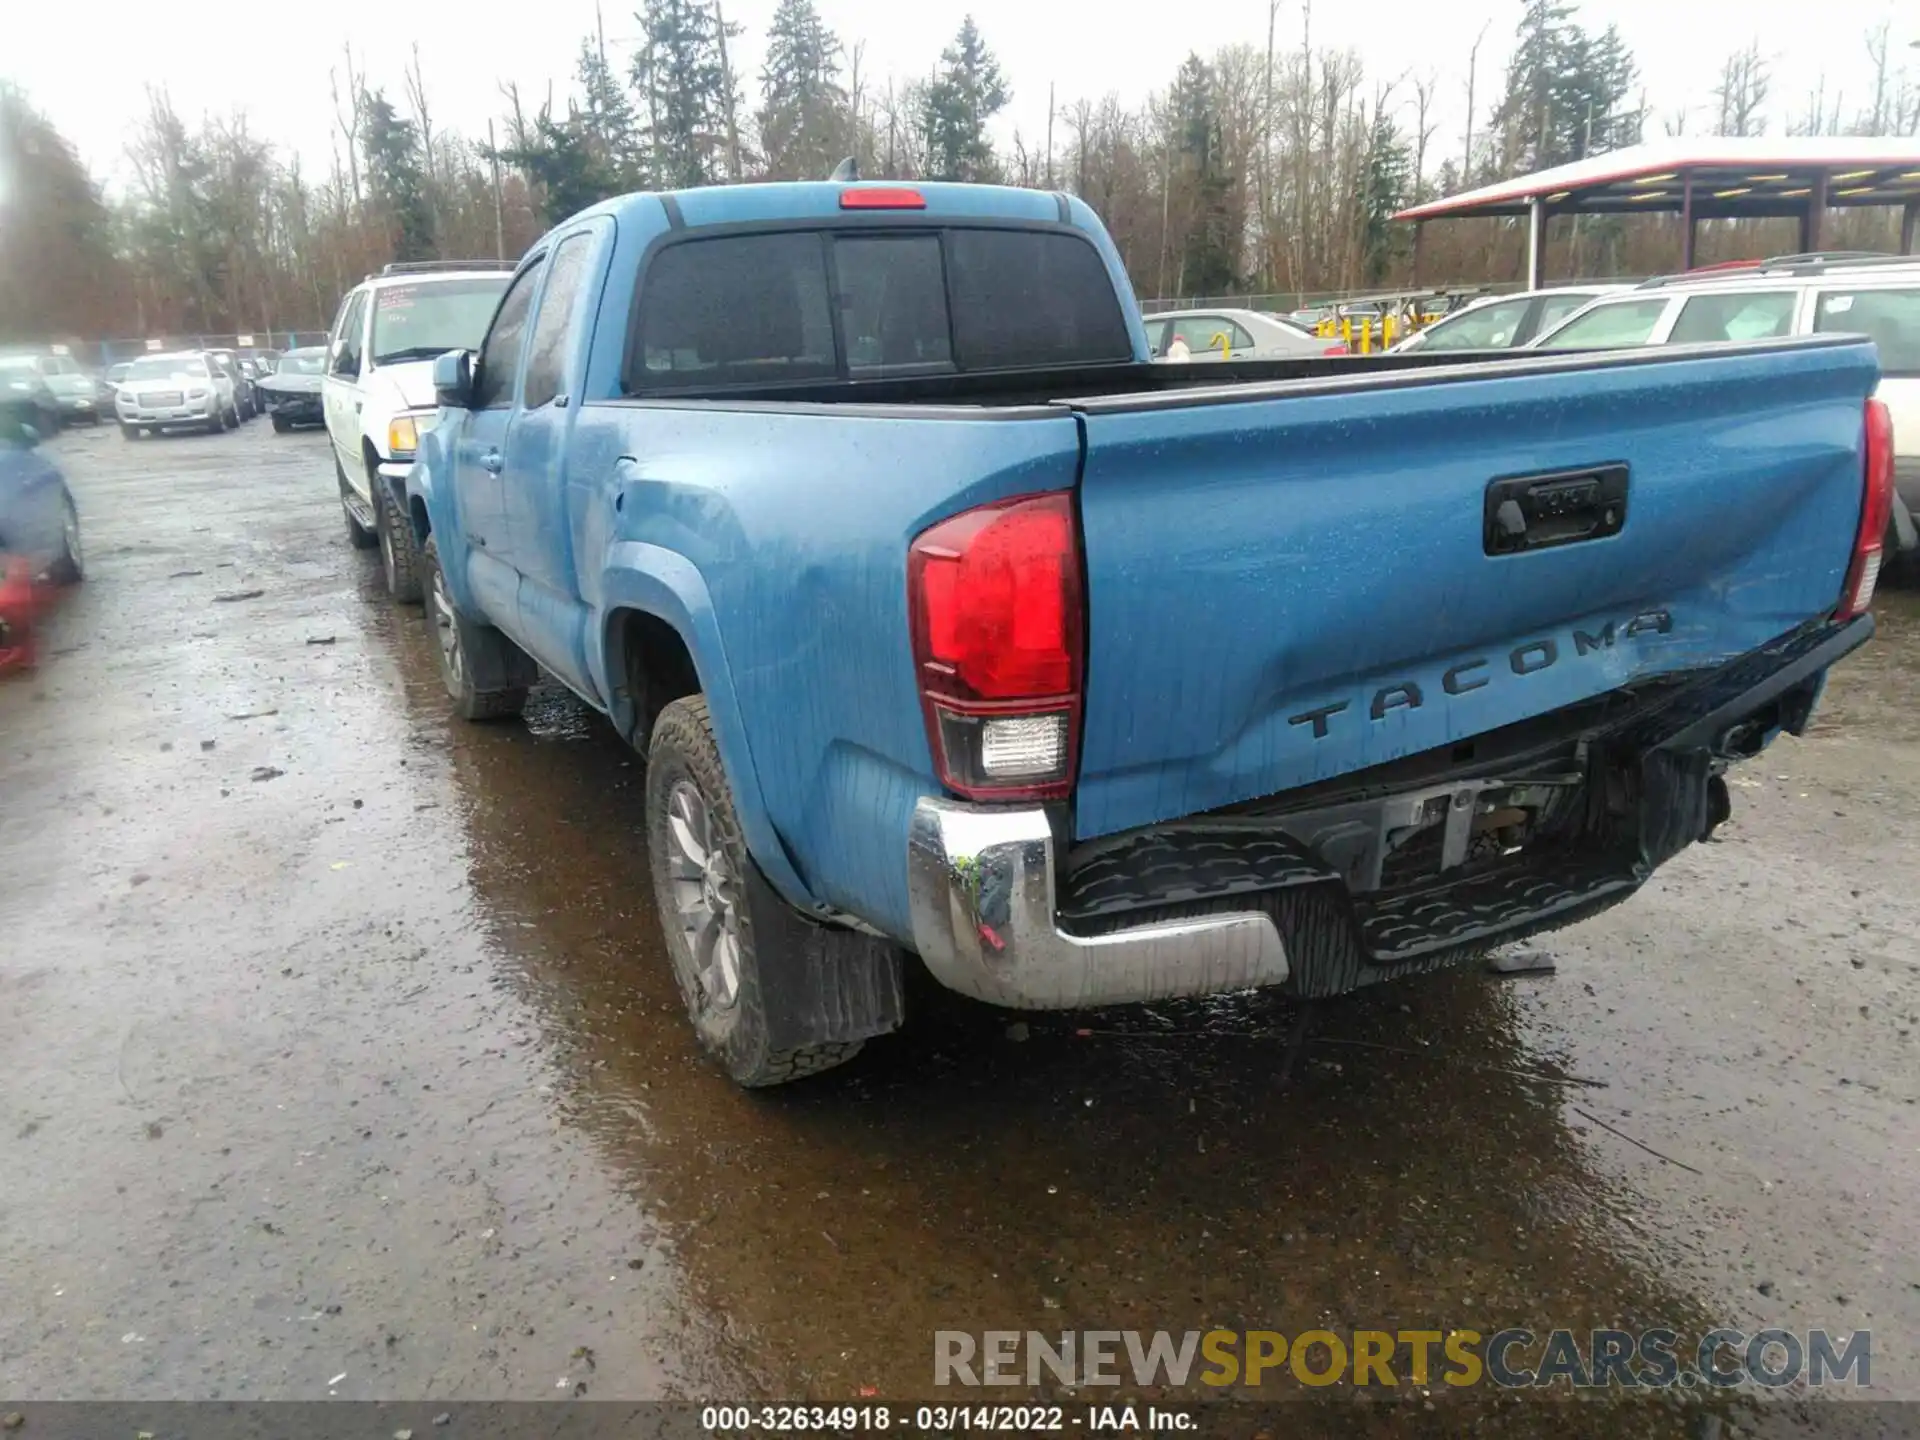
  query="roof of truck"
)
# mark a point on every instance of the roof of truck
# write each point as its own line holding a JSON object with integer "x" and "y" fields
{"x": 821, "y": 199}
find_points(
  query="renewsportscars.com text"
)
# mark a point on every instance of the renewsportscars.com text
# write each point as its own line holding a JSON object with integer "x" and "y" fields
{"x": 1511, "y": 1359}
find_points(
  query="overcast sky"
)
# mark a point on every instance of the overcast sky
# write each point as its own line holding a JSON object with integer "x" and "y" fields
{"x": 86, "y": 64}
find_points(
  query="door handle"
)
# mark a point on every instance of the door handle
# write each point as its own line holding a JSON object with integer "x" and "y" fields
{"x": 356, "y": 406}
{"x": 1537, "y": 512}
{"x": 491, "y": 462}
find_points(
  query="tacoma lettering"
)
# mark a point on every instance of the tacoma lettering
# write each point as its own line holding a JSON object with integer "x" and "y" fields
{"x": 1531, "y": 658}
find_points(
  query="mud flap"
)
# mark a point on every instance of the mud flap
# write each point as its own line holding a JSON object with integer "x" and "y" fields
{"x": 1676, "y": 807}
{"x": 818, "y": 983}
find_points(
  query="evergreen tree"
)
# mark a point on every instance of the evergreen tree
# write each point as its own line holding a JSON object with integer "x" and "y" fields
{"x": 1564, "y": 87}
{"x": 56, "y": 237}
{"x": 606, "y": 117}
{"x": 966, "y": 93}
{"x": 396, "y": 179}
{"x": 563, "y": 164}
{"x": 1207, "y": 248}
{"x": 679, "y": 70}
{"x": 804, "y": 126}
{"x": 1388, "y": 184}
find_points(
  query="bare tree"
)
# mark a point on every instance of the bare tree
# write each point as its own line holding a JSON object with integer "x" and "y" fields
{"x": 1423, "y": 127}
{"x": 416, "y": 87}
{"x": 1473, "y": 71}
{"x": 349, "y": 116}
{"x": 1742, "y": 92}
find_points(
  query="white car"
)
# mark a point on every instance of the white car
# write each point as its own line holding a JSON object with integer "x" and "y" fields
{"x": 377, "y": 394}
{"x": 165, "y": 392}
{"x": 1231, "y": 335}
{"x": 1878, "y": 297}
{"x": 1504, "y": 322}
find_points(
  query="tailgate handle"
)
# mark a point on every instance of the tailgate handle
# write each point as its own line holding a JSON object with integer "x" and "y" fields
{"x": 1537, "y": 512}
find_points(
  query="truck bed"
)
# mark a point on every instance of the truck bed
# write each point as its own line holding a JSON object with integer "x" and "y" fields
{"x": 1152, "y": 385}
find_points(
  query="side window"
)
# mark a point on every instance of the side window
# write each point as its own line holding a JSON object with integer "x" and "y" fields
{"x": 493, "y": 386}
{"x": 1241, "y": 339}
{"x": 1157, "y": 337}
{"x": 1556, "y": 308}
{"x": 1889, "y": 318}
{"x": 552, "y": 330}
{"x": 347, "y": 347}
{"x": 1740, "y": 316}
{"x": 1490, "y": 327}
{"x": 1202, "y": 332}
{"x": 1609, "y": 327}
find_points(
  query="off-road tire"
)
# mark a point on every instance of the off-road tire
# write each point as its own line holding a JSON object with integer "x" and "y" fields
{"x": 399, "y": 551}
{"x": 682, "y": 749}
{"x": 489, "y": 676}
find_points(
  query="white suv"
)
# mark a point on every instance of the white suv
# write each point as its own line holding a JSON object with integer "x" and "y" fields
{"x": 1875, "y": 296}
{"x": 377, "y": 393}
{"x": 166, "y": 392}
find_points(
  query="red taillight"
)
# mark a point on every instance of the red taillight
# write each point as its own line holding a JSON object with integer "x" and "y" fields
{"x": 1337, "y": 349}
{"x": 994, "y": 597}
{"x": 882, "y": 197}
{"x": 1876, "y": 510}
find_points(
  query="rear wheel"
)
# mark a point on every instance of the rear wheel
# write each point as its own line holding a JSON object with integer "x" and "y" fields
{"x": 399, "y": 552}
{"x": 485, "y": 673}
{"x": 69, "y": 567}
{"x": 704, "y": 883}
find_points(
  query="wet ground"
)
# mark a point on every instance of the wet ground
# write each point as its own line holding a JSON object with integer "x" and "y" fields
{"x": 341, "y": 1058}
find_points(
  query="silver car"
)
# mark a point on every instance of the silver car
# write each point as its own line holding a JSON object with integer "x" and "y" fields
{"x": 165, "y": 391}
{"x": 1505, "y": 322}
{"x": 1231, "y": 335}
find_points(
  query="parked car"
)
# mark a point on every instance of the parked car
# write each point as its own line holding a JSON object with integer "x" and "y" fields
{"x": 25, "y": 387}
{"x": 1878, "y": 297}
{"x": 1504, "y": 322}
{"x": 1232, "y": 335}
{"x": 166, "y": 392}
{"x": 292, "y": 391}
{"x": 78, "y": 393}
{"x": 226, "y": 364}
{"x": 951, "y": 625}
{"x": 39, "y": 531}
{"x": 377, "y": 394}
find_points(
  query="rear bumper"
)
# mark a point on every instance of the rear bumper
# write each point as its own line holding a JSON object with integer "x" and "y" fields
{"x": 981, "y": 886}
{"x": 1300, "y": 898}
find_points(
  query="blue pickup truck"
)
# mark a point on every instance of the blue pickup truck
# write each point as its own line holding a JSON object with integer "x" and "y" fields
{"x": 951, "y": 626}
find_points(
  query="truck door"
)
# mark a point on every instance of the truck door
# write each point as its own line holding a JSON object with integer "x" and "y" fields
{"x": 479, "y": 458}
{"x": 537, "y": 538}
{"x": 340, "y": 392}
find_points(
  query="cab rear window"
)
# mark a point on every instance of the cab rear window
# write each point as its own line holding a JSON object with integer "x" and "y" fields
{"x": 798, "y": 306}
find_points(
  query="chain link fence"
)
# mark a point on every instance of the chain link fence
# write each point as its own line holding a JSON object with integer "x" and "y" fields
{"x": 101, "y": 353}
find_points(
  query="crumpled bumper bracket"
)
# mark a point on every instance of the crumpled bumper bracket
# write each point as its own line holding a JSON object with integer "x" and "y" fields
{"x": 981, "y": 883}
